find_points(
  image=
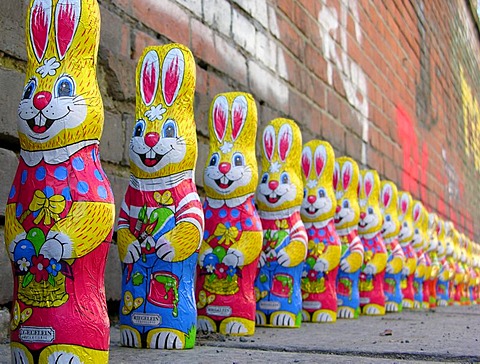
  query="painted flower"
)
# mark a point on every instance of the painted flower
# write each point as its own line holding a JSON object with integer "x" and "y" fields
{"x": 231, "y": 271}
{"x": 54, "y": 267}
{"x": 304, "y": 273}
{"x": 39, "y": 268}
{"x": 23, "y": 264}
{"x": 210, "y": 268}
{"x": 312, "y": 275}
{"x": 221, "y": 270}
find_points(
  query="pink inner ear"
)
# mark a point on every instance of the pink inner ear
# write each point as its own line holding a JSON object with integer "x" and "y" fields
{"x": 319, "y": 161}
{"x": 335, "y": 177}
{"x": 66, "y": 21}
{"x": 238, "y": 120}
{"x": 149, "y": 80}
{"x": 306, "y": 163}
{"x": 368, "y": 186}
{"x": 268, "y": 142}
{"x": 404, "y": 205}
{"x": 219, "y": 121}
{"x": 284, "y": 142}
{"x": 416, "y": 212}
{"x": 347, "y": 175}
{"x": 39, "y": 25}
{"x": 386, "y": 195}
{"x": 172, "y": 78}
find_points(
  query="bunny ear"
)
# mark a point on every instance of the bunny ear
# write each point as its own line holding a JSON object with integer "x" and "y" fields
{"x": 320, "y": 159}
{"x": 368, "y": 183}
{"x": 239, "y": 115}
{"x": 40, "y": 20}
{"x": 306, "y": 161}
{"x": 285, "y": 136}
{"x": 67, "y": 16}
{"x": 386, "y": 195}
{"x": 219, "y": 117}
{"x": 172, "y": 75}
{"x": 346, "y": 175}
{"x": 269, "y": 141}
{"x": 149, "y": 77}
{"x": 336, "y": 174}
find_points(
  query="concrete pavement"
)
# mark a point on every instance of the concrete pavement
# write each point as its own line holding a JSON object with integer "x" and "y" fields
{"x": 450, "y": 334}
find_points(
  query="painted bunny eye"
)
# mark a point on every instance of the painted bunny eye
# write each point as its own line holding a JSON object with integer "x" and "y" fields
{"x": 139, "y": 128}
{"x": 65, "y": 87}
{"x": 29, "y": 89}
{"x": 284, "y": 178}
{"x": 304, "y": 192}
{"x": 321, "y": 193}
{"x": 264, "y": 178}
{"x": 416, "y": 231}
{"x": 213, "y": 160}
{"x": 388, "y": 218}
{"x": 169, "y": 129}
{"x": 238, "y": 160}
{"x": 370, "y": 211}
{"x": 346, "y": 204}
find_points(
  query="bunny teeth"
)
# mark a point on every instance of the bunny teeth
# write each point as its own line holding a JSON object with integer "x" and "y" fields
{"x": 40, "y": 123}
{"x": 223, "y": 182}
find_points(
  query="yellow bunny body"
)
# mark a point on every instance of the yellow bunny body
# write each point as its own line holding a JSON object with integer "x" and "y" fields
{"x": 372, "y": 296}
{"x": 161, "y": 222}
{"x": 445, "y": 250}
{"x": 419, "y": 241}
{"x": 347, "y": 214}
{"x": 60, "y": 212}
{"x": 324, "y": 247}
{"x": 396, "y": 257}
{"x": 279, "y": 197}
{"x": 233, "y": 233}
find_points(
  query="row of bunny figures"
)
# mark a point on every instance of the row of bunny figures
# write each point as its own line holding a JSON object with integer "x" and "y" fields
{"x": 272, "y": 250}
{"x": 310, "y": 238}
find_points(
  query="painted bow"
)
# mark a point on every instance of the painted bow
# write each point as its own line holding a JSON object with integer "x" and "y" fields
{"x": 227, "y": 235}
{"x": 49, "y": 208}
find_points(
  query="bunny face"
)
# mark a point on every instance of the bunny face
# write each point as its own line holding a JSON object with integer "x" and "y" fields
{"x": 345, "y": 181}
{"x": 164, "y": 140}
{"x": 61, "y": 103}
{"x": 405, "y": 216}
{"x": 370, "y": 215}
{"x": 280, "y": 185}
{"x": 318, "y": 164}
{"x": 449, "y": 246}
{"x": 389, "y": 209}
{"x": 231, "y": 169}
{"x": 420, "y": 225}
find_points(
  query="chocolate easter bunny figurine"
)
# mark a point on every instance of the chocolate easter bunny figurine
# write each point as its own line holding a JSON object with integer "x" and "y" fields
{"x": 445, "y": 250}
{"x": 419, "y": 241}
{"x": 372, "y": 297}
{"x": 279, "y": 197}
{"x": 433, "y": 245}
{"x": 324, "y": 247}
{"x": 347, "y": 215}
{"x": 396, "y": 257}
{"x": 455, "y": 288}
{"x": 161, "y": 221}
{"x": 60, "y": 212}
{"x": 233, "y": 233}
{"x": 405, "y": 237}
{"x": 463, "y": 262}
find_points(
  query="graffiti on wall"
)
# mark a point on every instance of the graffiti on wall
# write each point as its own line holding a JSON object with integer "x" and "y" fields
{"x": 334, "y": 34}
{"x": 471, "y": 122}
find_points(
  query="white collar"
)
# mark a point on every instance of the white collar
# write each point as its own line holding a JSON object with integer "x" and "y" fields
{"x": 231, "y": 202}
{"x": 54, "y": 156}
{"x": 282, "y": 214}
{"x": 347, "y": 230}
{"x": 160, "y": 183}
{"x": 317, "y": 224}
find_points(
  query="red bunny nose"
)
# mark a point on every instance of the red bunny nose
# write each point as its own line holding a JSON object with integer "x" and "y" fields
{"x": 224, "y": 167}
{"x": 337, "y": 210}
{"x": 151, "y": 139}
{"x": 273, "y": 185}
{"x": 311, "y": 198}
{"x": 42, "y": 99}
{"x": 362, "y": 215}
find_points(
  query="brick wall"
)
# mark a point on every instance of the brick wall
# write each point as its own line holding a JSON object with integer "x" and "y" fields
{"x": 394, "y": 84}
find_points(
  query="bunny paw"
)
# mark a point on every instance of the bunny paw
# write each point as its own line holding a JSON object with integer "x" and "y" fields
{"x": 233, "y": 258}
{"x": 321, "y": 265}
{"x": 133, "y": 252}
{"x": 165, "y": 250}
{"x": 57, "y": 246}
{"x": 283, "y": 258}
